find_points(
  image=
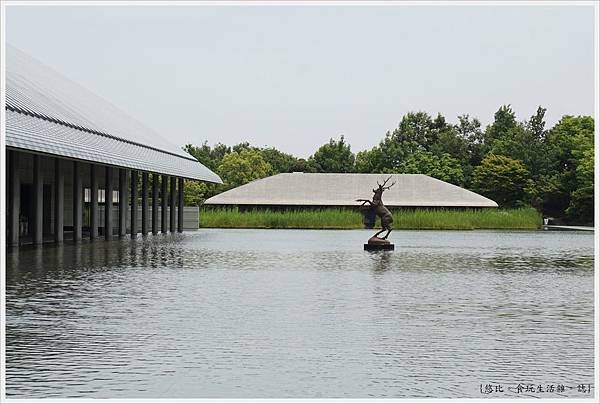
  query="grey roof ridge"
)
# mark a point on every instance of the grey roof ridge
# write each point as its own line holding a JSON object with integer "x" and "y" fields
{"x": 95, "y": 132}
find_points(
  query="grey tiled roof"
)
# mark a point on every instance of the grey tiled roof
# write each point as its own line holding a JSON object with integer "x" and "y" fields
{"x": 302, "y": 189}
{"x": 48, "y": 113}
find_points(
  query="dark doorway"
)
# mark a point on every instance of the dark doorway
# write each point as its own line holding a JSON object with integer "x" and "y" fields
{"x": 26, "y": 217}
{"x": 47, "y": 206}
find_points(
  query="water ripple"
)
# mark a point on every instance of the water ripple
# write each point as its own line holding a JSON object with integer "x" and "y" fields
{"x": 253, "y": 313}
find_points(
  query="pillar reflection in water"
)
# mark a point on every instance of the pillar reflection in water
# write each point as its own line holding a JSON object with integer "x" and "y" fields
{"x": 82, "y": 260}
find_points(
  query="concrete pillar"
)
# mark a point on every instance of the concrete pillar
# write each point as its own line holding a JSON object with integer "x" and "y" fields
{"x": 77, "y": 201}
{"x": 38, "y": 200}
{"x": 155, "y": 203}
{"x": 108, "y": 206}
{"x": 14, "y": 194}
{"x": 122, "y": 202}
{"x": 134, "y": 204}
{"x": 59, "y": 201}
{"x": 180, "y": 207}
{"x": 163, "y": 200}
{"x": 93, "y": 201}
{"x": 144, "y": 203}
{"x": 172, "y": 212}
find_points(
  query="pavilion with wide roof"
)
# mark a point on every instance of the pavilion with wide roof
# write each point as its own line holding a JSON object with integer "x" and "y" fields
{"x": 79, "y": 167}
{"x": 303, "y": 190}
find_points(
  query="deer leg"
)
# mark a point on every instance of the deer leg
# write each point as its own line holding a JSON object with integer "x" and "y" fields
{"x": 379, "y": 232}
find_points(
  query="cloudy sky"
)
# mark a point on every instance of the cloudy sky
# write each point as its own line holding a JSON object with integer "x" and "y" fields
{"x": 294, "y": 76}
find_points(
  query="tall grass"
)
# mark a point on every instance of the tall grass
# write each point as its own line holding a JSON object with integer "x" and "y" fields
{"x": 331, "y": 218}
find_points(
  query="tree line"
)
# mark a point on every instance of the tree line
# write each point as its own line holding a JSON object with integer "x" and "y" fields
{"x": 515, "y": 163}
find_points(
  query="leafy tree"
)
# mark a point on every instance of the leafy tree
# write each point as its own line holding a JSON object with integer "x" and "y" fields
{"x": 194, "y": 193}
{"x": 581, "y": 206}
{"x": 392, "y": 151}
{"x": 570, "y": 136}
{"x": 526, "y": 142}
{"x": 470, "y": 130}
{"x": 450, "y": 142}
{"x": 334, "y": 157}
{"x": 280, "y": 162}
{"x": 536, "y": 124}
{"x": 444, "y": 167}
{"x": 504, "y": 121}
{"x": 520, "y": 144}
{"x": 416, "y": 132}
{"x": 369, "y": 161}
{"x": 304, "y": 166}
{"x": 451, "y": 149}
{"x": 243, "y": 146}
{"x": 568, "y": 144}
{"x": 239, "y": 168}
{"x": 501, "y": 179}
{"x": 210, "y": 157}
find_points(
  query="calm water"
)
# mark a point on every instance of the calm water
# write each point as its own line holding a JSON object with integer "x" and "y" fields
{"x": 293, "y": 313}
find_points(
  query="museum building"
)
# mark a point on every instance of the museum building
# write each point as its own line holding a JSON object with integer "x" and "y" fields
{"x": 322, "y": 190}
{"x": 78, "y": 167}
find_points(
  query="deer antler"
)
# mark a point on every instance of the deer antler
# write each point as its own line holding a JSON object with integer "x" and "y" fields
{"x": 385, "y": 182}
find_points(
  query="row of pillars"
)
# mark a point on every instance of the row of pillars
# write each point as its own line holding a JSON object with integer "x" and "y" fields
{"x": 176, "y": 189}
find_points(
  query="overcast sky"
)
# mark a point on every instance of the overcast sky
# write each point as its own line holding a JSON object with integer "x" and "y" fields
{"x": 293, "y": 77}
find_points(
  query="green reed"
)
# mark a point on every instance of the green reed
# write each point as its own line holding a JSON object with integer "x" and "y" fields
{"x": 346, "y": 218}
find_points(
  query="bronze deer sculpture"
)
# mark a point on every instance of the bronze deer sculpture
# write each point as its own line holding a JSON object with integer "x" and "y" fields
{"x": 380, "y": 210}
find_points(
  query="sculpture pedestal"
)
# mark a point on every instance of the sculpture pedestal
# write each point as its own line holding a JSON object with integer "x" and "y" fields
{"x": 378, "y": 244}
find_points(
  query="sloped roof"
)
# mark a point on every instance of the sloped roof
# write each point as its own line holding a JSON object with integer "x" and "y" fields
{"x": 48, "y": 113}
{"x": 303, "y": 189}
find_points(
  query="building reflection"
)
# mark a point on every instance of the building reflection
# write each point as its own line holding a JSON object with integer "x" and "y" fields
{"x": 76, "y": 260}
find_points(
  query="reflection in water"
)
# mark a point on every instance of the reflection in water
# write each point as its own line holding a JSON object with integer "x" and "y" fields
{"x": 252, "y": 313}
{"x": 381, "y": 261}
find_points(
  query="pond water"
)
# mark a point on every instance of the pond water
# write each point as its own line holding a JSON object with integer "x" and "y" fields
{"x": 303, "y": 314}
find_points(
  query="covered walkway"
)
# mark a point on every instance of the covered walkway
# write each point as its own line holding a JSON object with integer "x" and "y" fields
{"x": 78, "y": 167}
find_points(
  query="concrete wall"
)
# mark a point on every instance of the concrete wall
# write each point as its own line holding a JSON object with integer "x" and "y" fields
{"x": 190, "y": 218}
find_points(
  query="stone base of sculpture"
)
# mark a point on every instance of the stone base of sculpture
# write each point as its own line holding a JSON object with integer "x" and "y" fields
{"x": 378, "y": 244}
